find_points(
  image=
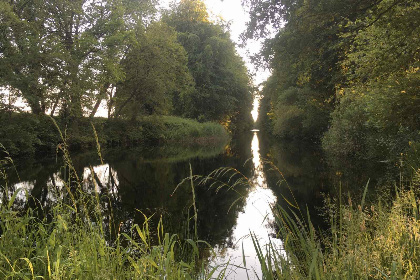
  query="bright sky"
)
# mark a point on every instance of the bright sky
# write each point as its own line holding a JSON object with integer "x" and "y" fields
{"x": 233, "y": 12}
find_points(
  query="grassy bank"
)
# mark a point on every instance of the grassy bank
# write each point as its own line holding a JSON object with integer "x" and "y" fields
{"x": 73, "y": 244}
{"x": 26, "y": 133}
{"x": 76, "y": 237}
{"x": 377, "y": 240}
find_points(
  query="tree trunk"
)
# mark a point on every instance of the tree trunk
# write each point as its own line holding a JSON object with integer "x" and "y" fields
{"x": 95, "y": 108}
{"x": 101, "y": 96}
{"x": 54, "y": 106}
{"x": 111, "y": 102}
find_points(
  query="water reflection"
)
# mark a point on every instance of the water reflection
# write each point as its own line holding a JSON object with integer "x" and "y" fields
{"x": 256, "y": 218}
{"x": 139, "y": 179}
{"x": 52, "y": 187}
{"x": 256, "y": 107}
{"x": 144, "y": 179}
{"x": 135, "y": 179}
{"x": 258, "y": 178}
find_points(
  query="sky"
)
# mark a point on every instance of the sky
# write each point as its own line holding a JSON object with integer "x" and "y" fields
{"x": 233, "y": 12}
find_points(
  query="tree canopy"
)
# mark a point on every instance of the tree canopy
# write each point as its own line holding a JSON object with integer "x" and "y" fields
{"x": 57, "y": 53}
{"x": 344, "y": 71}
{"x": 222, "y": 84}
{"x": 69, "y": 57}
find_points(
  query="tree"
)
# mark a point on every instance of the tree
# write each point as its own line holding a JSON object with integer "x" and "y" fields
{"x": 58, "y": 53}
{"x": 222, "y": 86}
{"x": 24, "y": 52}
{"x": 305, "y": 57}
{"x": 156, "y": 73}
{"x": 382, "y": 88}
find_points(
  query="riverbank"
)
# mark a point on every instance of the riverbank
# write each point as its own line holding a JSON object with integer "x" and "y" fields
{"x": 376, "y": 239}
{"x": 28, "y": 134}
{"x": 366, "y": 234}
{"x": 77, "y": 237}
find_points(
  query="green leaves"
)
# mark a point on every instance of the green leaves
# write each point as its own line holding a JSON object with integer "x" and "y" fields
{"x": 58, "y": 53}
{"x": 156, "y": 71}
{"x": 381, "y": 69}
{"x": 222, "y": 91}
{"x": 349, "y": 68}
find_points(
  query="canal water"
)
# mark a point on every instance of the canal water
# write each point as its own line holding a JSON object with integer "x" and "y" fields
{"x": 233, "y": 202}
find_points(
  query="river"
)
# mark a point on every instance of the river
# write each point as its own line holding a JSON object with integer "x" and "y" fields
{"x": 233, "y": 203}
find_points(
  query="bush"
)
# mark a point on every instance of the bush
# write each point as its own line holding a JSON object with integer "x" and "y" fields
{"x": 24, "y": 133}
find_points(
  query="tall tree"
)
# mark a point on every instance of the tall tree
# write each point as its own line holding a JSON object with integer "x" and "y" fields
{"x": 24, "y": 51}
{"x": 156, "y": 73}
{"x": 60, "y": 52}
{"x": 305, "y": 58}
{"x": 378, "y": 111}
{"x": 222, "y": 86}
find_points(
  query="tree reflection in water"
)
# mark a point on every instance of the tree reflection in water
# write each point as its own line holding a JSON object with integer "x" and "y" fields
{"x": 131, "y": 179}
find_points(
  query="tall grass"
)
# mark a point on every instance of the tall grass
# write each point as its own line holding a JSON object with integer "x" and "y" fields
{"x": 191, "y": 131}
{"x": 29, "y": 134}
{"x": 376, "y": 241}
{"x": 74, "y": 239}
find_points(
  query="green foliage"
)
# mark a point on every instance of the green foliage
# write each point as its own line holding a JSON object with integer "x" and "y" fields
{"x": 156, "y": 74}
{"x": 299, "y": 113}
{"x": 75, "y": 239}
{"x": 25, "y": 134}
{"x": 349, "y": 68}
{"x": 347, "y": 136}
{"x": 376, "y": 241}
{"x": 186, "y": 130}
{"x": 304, "y": 57}
{"x": 29, "y": 134}
{"x": 379, "y": 112}
{"x": 67, "y": 57}
{"x": 58, "y": 54}
{"x": 222, "y": 92}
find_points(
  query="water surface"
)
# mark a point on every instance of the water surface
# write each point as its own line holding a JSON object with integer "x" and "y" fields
{"x": 146, "y": 181}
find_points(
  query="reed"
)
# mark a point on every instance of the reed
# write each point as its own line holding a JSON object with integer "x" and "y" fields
{"x": 75, "y": 238}
{"x": 380, "y": 240}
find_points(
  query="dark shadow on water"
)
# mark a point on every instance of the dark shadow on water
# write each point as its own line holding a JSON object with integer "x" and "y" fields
{"x": 308, "y": 176}
{"x": 137, "y": 182}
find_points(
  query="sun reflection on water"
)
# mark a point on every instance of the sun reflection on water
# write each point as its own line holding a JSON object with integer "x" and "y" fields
{"x": 258, "y": 179}
{"x": 256, "y": 218}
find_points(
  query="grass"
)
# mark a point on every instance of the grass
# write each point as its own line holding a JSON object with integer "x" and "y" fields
{"x": 24, "y": 133}
{"x": 376, "y": 241}
{"x": 187, "y": 130}
{"x": 71, "y": 244}
{"x": 75, "y": 238}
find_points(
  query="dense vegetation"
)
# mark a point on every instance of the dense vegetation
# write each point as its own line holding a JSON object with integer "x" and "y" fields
{"x": 28, "y": 134}
{"x": 345, "y": 72}
{"x": 376, "y": 240}
{"x": 70, "y": 59}
{"x": 76, "y": 236}
{"x": 221, "y": 82}
{"x": 345, "y": 75}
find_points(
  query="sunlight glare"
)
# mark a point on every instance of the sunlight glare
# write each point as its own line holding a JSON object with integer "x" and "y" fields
{"x": 256, "y": 217}
{"x": 255, "y": 108}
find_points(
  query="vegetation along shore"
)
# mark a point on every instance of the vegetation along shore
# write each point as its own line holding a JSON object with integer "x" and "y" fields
{"x": 128, "y": 149}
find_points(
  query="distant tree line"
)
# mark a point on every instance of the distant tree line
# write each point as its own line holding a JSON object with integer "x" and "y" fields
{"x": 345, "y": 72}
{"x": 66, "y": 57}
